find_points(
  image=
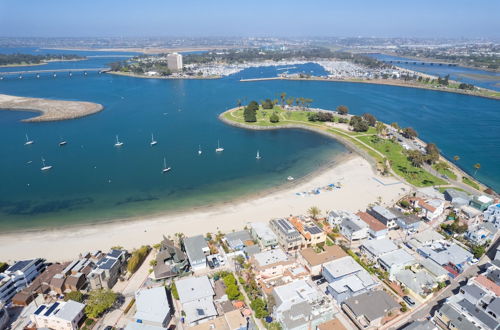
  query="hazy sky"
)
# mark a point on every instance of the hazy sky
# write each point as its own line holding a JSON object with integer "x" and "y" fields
{"x": 127, "y": 18}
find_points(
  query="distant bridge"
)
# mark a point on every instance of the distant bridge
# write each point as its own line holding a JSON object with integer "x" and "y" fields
{"x": 419, "y": 62}
{"x": 21, "y": 73}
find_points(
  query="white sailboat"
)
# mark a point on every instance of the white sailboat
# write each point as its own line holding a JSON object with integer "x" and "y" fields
{"x": 258, "y": 155}
{"x": 199, "y": 150}
{"x": 153, "y": 141}
{"x": 219, "y": 148}
{"x": 63, "y": 143}
{"x": 165, "y": 168}
{"x": 118, "y": 143}
{"x": 45, "y": 167}
{"x": 28, "y": 141}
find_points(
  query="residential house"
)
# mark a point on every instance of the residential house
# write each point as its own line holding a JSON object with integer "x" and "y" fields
{"x": 424, "y": 238}
{"x": 197, "y": 250}
{"x": 271, "y": 264}
{"x": 383, "y": 215}
{"x": 346, "y": 278}
{"x": 481, "y": 233}
{"x": 492, "y": 215}
{"x": 74, "y": 276}
{"x": 376, "y": 229}
{"x": 420, "y": 282}
{"x": 314, "y": 261}
{"x": 108, "y": 270}
{"x": 152, "y": 307}
{"x": 261, "y": 232}
{"x": 336, "y": 217}
{"x": 196, "y": 297}
{"x": 288, "y": 237}
{"x": 406, "y": 221}
{"x": 4, "y": 316}
{"x": 301, "y": 306}
{"x": 238, "y": 240}
{"x": 421, "y": 325}
{"x": 430, "y": 209}
{"x": 481, "y": 202}
{"x": 353, "y": 228}
{"x": 171, "y": 261}
{"x": 18, "y": 276}
{"x": 395, "y": 261}
{"x": 450, "y": 256}
{"x": 374, "y": 249}
{"x": 311, "y": 233}
{"x": 370, "y": 309}
{"x": 59, "y": 315}
{"x": 456, "y": 197}
{"x": 437, "y": 271}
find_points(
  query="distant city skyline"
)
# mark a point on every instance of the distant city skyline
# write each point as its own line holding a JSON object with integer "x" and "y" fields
{"x": 114, "y": 18}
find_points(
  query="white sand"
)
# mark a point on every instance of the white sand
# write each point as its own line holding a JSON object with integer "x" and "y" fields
{"x": 359, "y": 188}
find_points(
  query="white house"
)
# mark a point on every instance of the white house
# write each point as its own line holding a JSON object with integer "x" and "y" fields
{"x": 196, "y": 295}
{"x": 353, "y": 228}
{"x": 59, "y": 315}
{"x": 152, "y": 307}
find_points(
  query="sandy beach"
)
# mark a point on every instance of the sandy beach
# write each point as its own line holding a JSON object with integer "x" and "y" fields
{"x": 360, "y": 187}
{"x": 51, "y": 110}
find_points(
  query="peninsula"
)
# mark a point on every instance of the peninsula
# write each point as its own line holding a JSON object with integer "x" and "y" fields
{"x": 51, "y": 110}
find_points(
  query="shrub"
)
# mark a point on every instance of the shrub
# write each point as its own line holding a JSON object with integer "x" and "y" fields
{"x": 99, "y": 301}
{"x": 274, "y": 118}
{"x": 137, "y": 258}
{"x": 74, "y": 295}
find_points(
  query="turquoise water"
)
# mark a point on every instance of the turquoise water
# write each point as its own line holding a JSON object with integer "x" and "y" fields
{"x": 92, "y": 181}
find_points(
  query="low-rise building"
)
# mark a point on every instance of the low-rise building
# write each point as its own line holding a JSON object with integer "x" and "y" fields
{"x": 18, "y": 276}
{"x": 481, "y": 202}
{"x": 197, "y": 250}
{"x": 435, "y": 270}
{"x": 238, "y": 240}
{"x": 314, "y": 261}
{"x": 353, "y": 228}
{"x": 450, "y": 256}
{"x": 406, "y": 221}
{"x": 74, "y": 276}
{"x": 369, "y": 310}
{"x": 430, "y": 209}
{"x": 59, "y": 315}
{"x": 288, "y": 237}
{"x": 376, "y": 229}
{"x": 419, "y": 282}
{"x": 457, "y": 198}
{"x": 152, "y": 307}
{"x": 300, "y": 305}
{"x": 421, "y": 325}
{"x": 196, "y": 295}
{"x": 346, "y": 278}
{"x": 492, "y": 215}
{"x": 336, "y": 217}
{"x": 395, "y": 261}
{"x": 481, "y": 233}
{"x": 374, "y": 249}
{"x": 171, "y": 261}
{"x": 4, "y": 316}
{"x": 107, "y": 270}
{"x": 311, "y": 233}
{"x": 264, "y": 235}
{"x": 424, "y": 238}
{"x": 383, "y": 215}
{"x": 271, "y": 264}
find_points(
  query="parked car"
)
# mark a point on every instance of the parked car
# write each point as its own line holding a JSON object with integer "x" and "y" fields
{"x": 320, "y": 281}
{"x": 215, "y": 262}
{"x": 473, "y": 261}
{"x": 210, "y": 264}
{"x": 221, "y": 259}
{"x": 409, "y": 301}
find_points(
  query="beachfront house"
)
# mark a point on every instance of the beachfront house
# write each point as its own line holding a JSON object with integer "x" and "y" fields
{"x": 481, "y": 233}
{"x": 457, "y": 198}
{"x": 383, "y": 215}
{"x": 374, "y": 249}
{"x": 18, "y": 276}
{"x": 300, "y": 305}
{"x": 108, "y": 270}
{"x": 346, "y": 278}
{"x": 271, "y": 265}
{"x": 376, "y": 229}
{"x": 492, "y": 215}
{"x": 396, "y": 260}
{"x": 369, "y": 310}
{"x": 481, "y": 202}
{"x": 311, "y": 233}
{"x": 74, "y": 276}
{"x": 314, "y": 261}
{"x": 288, "y": 237}
{"x": 171, "y": 261}
{"x": 152, "y": 307}
{"x": 238, "y": 240}
{"x": 59, "y": 315}
{"x": 197, "y": 250}
{"x": 430, "y": 209}
{"x": 261, "y": 232}
{"x": 196, "y": 295}
{"x": 353, "y": 228}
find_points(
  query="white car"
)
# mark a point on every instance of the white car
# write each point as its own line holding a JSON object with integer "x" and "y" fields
{"x": 221, "y": 260}
{"x": 473, "y": 261}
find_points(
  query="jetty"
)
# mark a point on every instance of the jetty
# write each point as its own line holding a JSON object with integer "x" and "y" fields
{"x": 50, "y": 110}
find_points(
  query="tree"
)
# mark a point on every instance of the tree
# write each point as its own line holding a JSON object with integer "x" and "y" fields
{"x": 98, "y": 302}
{"x": 432, "y": 153}
{"x": 267, "y": 104}
{"x": 249, "y": 114}
{"x": 289, "y": 101}
{"x": 173, "y": 291}
{"x": 415, "y": 157}
{"x": 137, "y": 258}
{"x": 259, "y": 307}
{"x": 456, "y": 158}
{"x": 359, "y": 124}
{"x": 370, "y": 119}
{"x": 283, "y": 97}
{"x": 274, "y": 118}
{"x": 314, "y": 211}
{"x": 74, "y": 295}
{"x": 442, "y": 166}
{"x": 342, "y": 110}
{"x": 395, "y": 126}
{"x": 477, "y": 166}
{"x": 233, "y": 293}
{"x": 380, "y": 127}
{"x": 478, "y": 251}
{"x": 410, "y": 133}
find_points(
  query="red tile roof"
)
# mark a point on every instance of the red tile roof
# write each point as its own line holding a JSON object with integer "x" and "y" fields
{"x": 374, "y": 224}
{"x": 488, "y": 284}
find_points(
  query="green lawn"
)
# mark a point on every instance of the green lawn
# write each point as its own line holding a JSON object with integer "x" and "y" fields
{"x": 447, "y": 172}
{"x": 400, "y": 163}
{"x": 471, "y": 183}
{"x": 442, "y": 189}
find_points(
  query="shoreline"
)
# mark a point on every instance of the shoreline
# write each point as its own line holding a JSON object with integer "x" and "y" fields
{"x": 134, "y": 75}
{"x": 41, "y": 63}
{"x": 48, "y": 110}
{"x": 144, "y": 50}
{"x": 359, "y": 188}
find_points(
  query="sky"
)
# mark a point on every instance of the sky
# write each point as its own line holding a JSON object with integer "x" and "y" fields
{"x": 203, "y": 18}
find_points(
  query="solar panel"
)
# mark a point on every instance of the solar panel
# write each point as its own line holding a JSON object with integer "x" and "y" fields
{"x": 40, "y": 309}
{"x": 51, "y": 309}
{"x": 19, "y": 265}
{"x": 313, "y": 230}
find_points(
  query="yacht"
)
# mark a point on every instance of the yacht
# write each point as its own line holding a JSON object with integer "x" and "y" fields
{"x": 290, "y": 178}
{"x": 165, "y": 168}
{"x": 258, "y": 155}
{"x": 199, "y": 150}
{"x": 153, "y": 141}
{"x": 118, "y": 143}
{"x": 45, "y": 167}
{"x": 219, "y": 148}
{"x": 28, "y": 141}
{"x": 63, "y": 143}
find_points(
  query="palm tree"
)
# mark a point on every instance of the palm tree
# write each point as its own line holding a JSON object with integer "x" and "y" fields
{"x": 283, "y": 96}
{"x": 477, "y": 166}
{"x": 380, "y": 127}
{"x": 456, "y": 158}
{"x": 314, "y": 211}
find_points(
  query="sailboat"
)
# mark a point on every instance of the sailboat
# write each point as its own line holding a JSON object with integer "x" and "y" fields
{"x": 165, "y": 168}
{"x": 28, "y": 141}
{"x": 153, "y": 141}
{"x": 258, "y": 155}
{"x": 199, "y": 150}
{"x": 45, "y": 167}
{"x": 63, "y": 143}
{"x": 118, "y": 143}
{"x": 219, "y": 148}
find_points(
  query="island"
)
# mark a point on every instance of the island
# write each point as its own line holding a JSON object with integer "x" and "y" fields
{"x": 392, "y": 150}
{"x": 13, "y": 60}
{"x": 51, "y": 110}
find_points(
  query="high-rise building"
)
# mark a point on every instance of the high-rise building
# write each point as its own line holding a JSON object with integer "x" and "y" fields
{"x": 174, "y": 61}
